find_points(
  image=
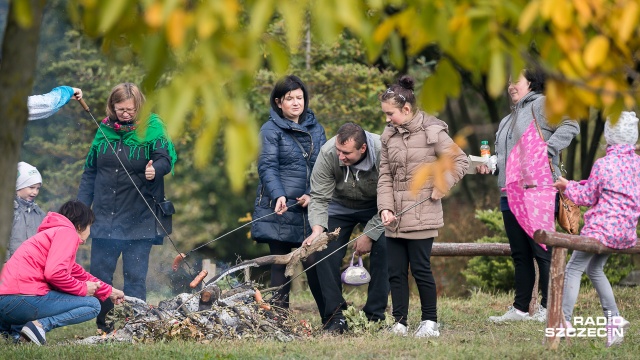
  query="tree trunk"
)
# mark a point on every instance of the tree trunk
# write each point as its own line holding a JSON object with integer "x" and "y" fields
{"x": 453, "y": 130}
{"x": 492, "y": 105}
{"x": 588, "y": 161}
{"x": 17, "y": 71}
{"x": 307, "y": 54}
{"x": 584, "y": 145}
{"x": 589, "y": 144}
{"x": 570, "y": 161}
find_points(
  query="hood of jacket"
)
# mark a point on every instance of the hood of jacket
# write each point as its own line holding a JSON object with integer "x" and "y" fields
{"x": 511, "y": 129}
{"x": 529, "y": 97}
{"x": 286, "y": 124}
{"x": 27, "y": 217}
{"x": 54, "y": 219}
{"x": 26, "y": 204}
{"x": 512, "y": 126}
{"x": 422, "y": 121}
{"x": 369, "y": 162}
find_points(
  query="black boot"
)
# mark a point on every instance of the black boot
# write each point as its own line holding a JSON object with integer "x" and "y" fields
{"x": 337, "y": 325}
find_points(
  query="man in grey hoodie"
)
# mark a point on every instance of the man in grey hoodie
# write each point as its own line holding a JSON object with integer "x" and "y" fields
{"x": 344, "y": 194}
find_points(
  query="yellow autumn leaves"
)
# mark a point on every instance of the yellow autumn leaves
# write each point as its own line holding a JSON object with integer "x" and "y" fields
{"x": 176, "y": 18}
{"x": 437, "y": 172}
{"x": 590, "y": 49}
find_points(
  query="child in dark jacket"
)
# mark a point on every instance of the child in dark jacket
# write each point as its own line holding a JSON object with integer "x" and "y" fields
{"x": 613, "y": 193}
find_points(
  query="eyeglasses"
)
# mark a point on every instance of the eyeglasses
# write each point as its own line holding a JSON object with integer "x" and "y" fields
{"x": 128, "y": 111}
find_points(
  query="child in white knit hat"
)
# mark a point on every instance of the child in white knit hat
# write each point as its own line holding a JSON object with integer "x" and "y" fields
{"x": 613, "y": 193}
{"x": 27, "y": 215}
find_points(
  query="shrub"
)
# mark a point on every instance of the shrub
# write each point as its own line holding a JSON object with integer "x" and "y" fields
{"x": 497, "y": 272}
{"x": 491, "y": 272}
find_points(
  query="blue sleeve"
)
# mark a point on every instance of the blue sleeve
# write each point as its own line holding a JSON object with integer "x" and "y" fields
{"x": 269, "y": 164}
{"x": 43, "y": 106}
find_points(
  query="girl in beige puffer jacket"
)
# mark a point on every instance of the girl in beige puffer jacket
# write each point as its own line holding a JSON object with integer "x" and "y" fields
{"x": 412, "y": 140}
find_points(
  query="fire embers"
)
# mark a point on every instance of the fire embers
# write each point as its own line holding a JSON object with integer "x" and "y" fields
{"x": 204, "y": 316}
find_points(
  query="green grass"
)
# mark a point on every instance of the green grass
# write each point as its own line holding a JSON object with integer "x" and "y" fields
{"x": 465, "y": 334}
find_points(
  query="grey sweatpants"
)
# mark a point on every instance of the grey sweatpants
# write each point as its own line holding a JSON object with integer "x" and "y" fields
{"x": 593, "y": 265}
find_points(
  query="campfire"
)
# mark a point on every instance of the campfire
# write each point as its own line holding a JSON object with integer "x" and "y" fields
{"x": 213, "y": 313}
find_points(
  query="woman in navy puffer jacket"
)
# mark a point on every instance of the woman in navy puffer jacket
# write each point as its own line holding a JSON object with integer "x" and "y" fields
{"x": 291, "y": 140}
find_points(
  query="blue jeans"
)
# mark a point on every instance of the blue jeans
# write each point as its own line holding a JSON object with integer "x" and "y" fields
{"x": 52, "y": 310}
{"x": 135, "y": 264}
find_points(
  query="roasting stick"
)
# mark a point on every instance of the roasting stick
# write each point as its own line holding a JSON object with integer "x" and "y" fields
{"x": 181, "y": 256}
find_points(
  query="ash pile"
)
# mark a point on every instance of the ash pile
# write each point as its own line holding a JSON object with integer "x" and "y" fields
{"x": 213, "y": 313}
{"x": 202, "y": 317}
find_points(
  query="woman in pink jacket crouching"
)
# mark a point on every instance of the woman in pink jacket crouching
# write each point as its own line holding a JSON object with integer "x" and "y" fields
{"x": 42, "y": 287}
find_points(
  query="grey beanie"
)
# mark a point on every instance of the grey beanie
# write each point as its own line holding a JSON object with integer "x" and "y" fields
{"x": 625, "y": 131}
{"x": 27, "y": 175}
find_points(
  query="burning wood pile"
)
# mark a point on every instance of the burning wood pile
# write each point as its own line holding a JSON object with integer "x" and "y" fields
{"x": 213, "y": 313}
{"x": 231, "y": 314}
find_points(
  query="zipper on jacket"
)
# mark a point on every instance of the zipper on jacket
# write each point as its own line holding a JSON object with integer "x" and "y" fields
{"x": 304, "y": 226}
{"x": 307, "y": 179}
{"x": 117, "y": 154}
{"x": 261, "y": 192}
{"x": 514, "y": 118}
{"x": 308, "y": 157}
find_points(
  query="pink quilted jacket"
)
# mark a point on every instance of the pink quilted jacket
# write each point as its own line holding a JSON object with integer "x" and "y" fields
{"x": 613, "y": 192}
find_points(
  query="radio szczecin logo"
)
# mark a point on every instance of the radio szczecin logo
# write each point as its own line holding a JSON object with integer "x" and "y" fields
{"x": 589, "y": 327}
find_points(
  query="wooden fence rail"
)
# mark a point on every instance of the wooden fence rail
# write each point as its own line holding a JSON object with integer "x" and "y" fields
{"x": 560, "y": 243}
{"x": 439, "y": 249}
{"x": 470, "y": 249}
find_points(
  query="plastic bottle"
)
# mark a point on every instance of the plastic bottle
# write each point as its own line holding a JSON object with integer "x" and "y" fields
{"x": 485, "y": 150}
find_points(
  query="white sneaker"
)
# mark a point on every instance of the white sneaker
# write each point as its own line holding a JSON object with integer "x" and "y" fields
{"x": 427, "y": 328}
{"x": 615, "y": 331}
{"x": 33, "y": 333}
{"x": 512, "y": 314}
{"x": 540, "y": 315}
{"x": 399, "y": 329}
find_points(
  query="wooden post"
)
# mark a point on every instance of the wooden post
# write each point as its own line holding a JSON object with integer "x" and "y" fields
{"x": 533, "y": 304}
{"x": 562, "y": 242}
{"x": 555, "y": 318}
{"x": 484, "y": 249}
